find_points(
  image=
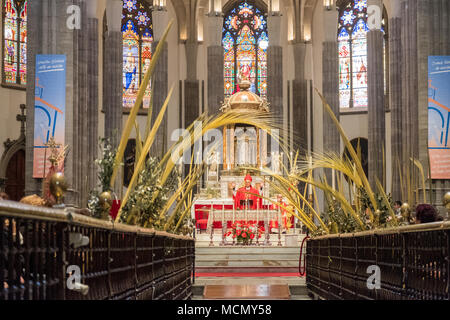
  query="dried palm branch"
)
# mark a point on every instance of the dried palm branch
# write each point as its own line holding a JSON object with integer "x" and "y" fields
{"x": 134, "y": 111}
{"x": 420, "y": 167}
{"x": 386, "y": 201}
{"x": 352, "y": 152}
{"x": 145, "y": 150}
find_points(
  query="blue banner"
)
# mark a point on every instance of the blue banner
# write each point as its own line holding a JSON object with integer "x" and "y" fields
{"x": 49, "y": 109}
{"x": 439, "y": 116}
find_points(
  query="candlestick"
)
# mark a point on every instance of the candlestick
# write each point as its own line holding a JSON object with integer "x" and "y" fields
{"x": 233, "y": 212}
{"x": 257, "y": 225}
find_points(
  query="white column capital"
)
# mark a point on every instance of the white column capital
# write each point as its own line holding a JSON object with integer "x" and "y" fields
{"x": 330, "y": 23}
{"x": 213, "y": 26}
{"x": 160, "y": 19}
{"x": 375, "y": 14}
{"x": 274, "y": 29}
{"x": 114, "y": 15}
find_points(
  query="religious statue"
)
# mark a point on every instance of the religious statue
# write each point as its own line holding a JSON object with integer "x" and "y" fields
{"x": 213, "y": 161}
{"x": 247, "y": 196}
{"x": 246, "y": 149}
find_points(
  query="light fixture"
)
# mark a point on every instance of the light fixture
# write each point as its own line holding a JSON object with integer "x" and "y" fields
{"x": 264, "y": 44}
{"x": 215, "y": 8}
{"x": 328, "y": 4}
{"x": 274, "y": 6}
{"x": 159, "y": 5}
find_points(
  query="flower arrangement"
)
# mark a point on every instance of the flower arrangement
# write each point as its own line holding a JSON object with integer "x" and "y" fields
{"x": 244, "y": 232}
{"x": 105, "y": 166}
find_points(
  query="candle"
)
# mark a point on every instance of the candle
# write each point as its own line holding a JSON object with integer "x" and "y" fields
{"x": 332, "y": 178}
{"x": 233, "y": 212}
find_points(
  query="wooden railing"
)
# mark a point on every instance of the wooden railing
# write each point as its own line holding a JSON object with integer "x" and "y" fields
{"x": 50, "y": 254}
{"x": 413, "y": 261}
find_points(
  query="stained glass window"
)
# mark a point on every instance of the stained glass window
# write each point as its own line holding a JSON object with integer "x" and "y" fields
{"x": 15, "y": 42}
{"x": 352, "y": 39}
{"x": 245, "y": 41}
{"x": 137, "y": 32}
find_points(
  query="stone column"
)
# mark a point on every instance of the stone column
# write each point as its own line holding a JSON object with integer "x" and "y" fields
{"x": 192, "y": 97}
{"x": 299, "y": 100}
{"x": 85, "y": 116}
{"x": 330, "y": 86}
{"x": 275, "y": 73}
{"x": 160, "y": 81}
{"x": 215, "y": 52}
{"x": 433, "y": 26}
{"x": 275, "y": 66}
{"x": 377, "y": 113}
{"x": 409, "y": 85}
{"x": 191, "y": 84}
{"x": 395, "y": 96}
{"x": 112, "y": 72}
{"x": 49, "y": 34}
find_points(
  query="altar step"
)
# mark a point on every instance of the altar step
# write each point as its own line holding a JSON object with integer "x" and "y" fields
{"x": 297, "y": 285}
{"x": 204, "y": 239}
{"x": 243, "y": 259}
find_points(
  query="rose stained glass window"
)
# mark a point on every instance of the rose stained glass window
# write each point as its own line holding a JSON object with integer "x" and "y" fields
{"x": 245, "y": 41}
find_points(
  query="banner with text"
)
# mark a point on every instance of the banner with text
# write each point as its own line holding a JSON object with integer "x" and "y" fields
{"x": 49, "y": 109}
{"x": 439, "y": 116}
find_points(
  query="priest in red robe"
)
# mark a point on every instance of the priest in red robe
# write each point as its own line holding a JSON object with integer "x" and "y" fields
{"x": 247, "y": 196}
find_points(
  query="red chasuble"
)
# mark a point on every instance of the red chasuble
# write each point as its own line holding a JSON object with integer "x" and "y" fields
{"x": 251, "y": 194}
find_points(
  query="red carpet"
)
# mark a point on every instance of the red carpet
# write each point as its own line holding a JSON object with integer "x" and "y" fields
{"x": 247, "y": 274}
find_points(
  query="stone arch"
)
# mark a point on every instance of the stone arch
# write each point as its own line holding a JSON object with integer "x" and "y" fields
{"x": 230, "y": 4}
{"x": 181, "y": 16}
{"x": 364, "y": 146}
{"x": 12, "y": 148}
{"x": 307, "y": 19}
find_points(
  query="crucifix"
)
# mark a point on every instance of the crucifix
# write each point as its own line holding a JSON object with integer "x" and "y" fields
{"x": 22, "y": 118}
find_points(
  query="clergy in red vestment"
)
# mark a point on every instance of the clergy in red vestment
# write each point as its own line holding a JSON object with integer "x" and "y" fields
{"x": 281, "y": 205}
{"x": 247, "y": 196}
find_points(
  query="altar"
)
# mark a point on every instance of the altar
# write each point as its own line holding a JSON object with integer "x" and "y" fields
{"x": 244, "y": 147}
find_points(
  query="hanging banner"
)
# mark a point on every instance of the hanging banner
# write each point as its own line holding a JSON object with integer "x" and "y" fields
{"x": 439, "y": 116}
{"x": 49, "y": 109}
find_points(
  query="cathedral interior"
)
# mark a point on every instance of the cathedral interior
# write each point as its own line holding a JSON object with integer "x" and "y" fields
{"x": 375, "y": 80}
{"x": 96, "y": 92}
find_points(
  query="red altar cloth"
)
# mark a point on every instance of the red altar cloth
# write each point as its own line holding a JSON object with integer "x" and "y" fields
{"x": 201, "y": 216}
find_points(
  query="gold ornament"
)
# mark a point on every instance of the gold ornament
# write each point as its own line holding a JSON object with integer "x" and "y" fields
{"x": 446, "y": 200}
{"x": 58, "y": 186}
{"x": 406, "y": 212}
{"x": 105, "y": 200}
{"x": 334, "y": 228}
